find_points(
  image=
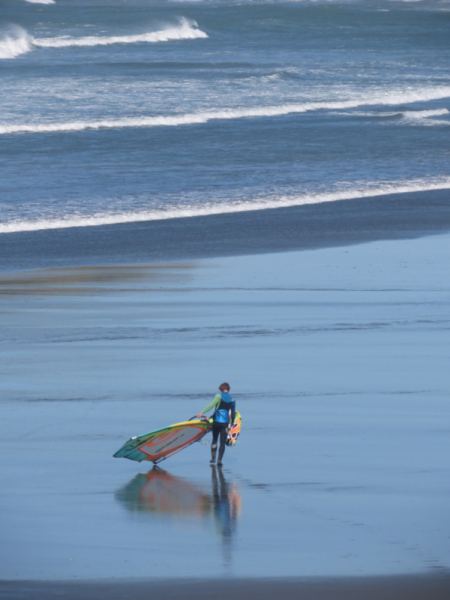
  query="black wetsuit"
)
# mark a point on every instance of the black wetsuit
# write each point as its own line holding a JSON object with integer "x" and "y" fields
{"x": 224, "y": 414}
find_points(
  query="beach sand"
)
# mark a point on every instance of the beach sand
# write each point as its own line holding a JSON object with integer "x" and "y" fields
{"x": 338, "y": 487}
{"x": 415, "y": 588}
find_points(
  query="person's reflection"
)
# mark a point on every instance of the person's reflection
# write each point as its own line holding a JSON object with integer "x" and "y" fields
{"x": 226, "y": 504}
{"x": 160, "y": 492}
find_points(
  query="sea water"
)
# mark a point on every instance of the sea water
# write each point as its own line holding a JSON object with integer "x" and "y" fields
{"x": 117, "y": 111}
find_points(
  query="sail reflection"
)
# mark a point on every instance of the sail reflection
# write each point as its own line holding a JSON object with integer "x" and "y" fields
{"x": 160, "y": 492}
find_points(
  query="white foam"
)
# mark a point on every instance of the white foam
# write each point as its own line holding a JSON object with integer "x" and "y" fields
{"x": 437, "y": 112}
{"x": 392, "y": 99}
{"x": 426, "y": 117}
{"x": 40, "y": 1}
{"x": 14, "y": 41}
{"x": 364, "y": 191}
{"x": 185, "y": 29}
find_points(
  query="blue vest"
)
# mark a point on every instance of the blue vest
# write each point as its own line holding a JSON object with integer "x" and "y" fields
{"x": 222, "y": 412}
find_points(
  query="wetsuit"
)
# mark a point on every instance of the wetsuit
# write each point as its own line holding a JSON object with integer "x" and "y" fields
{"x": 224, "y": 413}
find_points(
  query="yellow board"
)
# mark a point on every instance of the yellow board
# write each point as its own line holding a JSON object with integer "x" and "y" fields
{"x": 234, "y": 430}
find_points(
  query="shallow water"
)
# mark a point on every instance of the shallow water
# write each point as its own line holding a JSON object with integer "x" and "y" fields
{"x": 339, "y": 365}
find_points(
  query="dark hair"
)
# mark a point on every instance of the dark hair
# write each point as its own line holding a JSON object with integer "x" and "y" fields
{"x": 224, "y": 386}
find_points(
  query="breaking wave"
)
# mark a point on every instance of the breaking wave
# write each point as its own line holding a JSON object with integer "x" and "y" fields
{"x": 426, "y": 117}
{"x": 185, "y": 29}
{"x": 16, "y": 41}
{"x": 364, "y": 191}
{"x": 391, "y": 99}
{"x": 40, "y": 1}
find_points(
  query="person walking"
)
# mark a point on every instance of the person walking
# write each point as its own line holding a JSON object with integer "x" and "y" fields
{"x": 224, "y": 413}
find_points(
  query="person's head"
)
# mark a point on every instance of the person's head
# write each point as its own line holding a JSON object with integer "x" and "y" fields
{"x": 224, "y": 387}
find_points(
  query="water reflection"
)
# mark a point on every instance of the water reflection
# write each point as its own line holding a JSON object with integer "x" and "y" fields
{"x": 160, "y": 492}
{"x": 226, "y": 503}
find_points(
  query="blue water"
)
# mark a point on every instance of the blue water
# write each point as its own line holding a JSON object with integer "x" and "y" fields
{"x": 114, "y": 111}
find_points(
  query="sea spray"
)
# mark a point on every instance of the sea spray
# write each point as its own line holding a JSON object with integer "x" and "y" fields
{"x": 14, "y": 41}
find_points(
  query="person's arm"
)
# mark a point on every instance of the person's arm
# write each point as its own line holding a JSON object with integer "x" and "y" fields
{"x": 211, "y": 406}
{"x": 233, "y": 412}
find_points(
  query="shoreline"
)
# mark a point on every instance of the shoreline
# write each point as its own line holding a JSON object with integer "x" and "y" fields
{"x": 332, "y": 224}
{"x": 414, "y": 587}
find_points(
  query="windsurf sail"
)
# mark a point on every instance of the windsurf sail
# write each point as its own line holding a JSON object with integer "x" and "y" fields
{"x": 159, "y": 445}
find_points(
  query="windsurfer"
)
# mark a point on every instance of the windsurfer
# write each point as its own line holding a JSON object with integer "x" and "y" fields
{"x": 224, "y": 413}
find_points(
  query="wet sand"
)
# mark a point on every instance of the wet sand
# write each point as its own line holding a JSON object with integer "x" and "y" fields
{"x": 435, "y": 587}
{"x": 339, "y": 362}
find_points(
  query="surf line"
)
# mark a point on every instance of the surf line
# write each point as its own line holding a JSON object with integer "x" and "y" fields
{"x": 370, "y": 190}
{"x": 225, "y": 114}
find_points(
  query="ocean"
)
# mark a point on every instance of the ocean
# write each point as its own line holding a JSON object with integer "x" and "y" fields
{"x": 127, "y": 111}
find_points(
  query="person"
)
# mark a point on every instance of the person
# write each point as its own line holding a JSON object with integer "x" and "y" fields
{"x": 224, "y": 413}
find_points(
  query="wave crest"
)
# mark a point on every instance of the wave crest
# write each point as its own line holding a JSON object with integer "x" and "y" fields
{"x": 391, "y": 99}
{"x": 185, "y": 29}
{"x": 426, "y": 117}
{"x": 40, "y": 1}
{"x": 14, "y": 41}
{"x": 366, "y": 190}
